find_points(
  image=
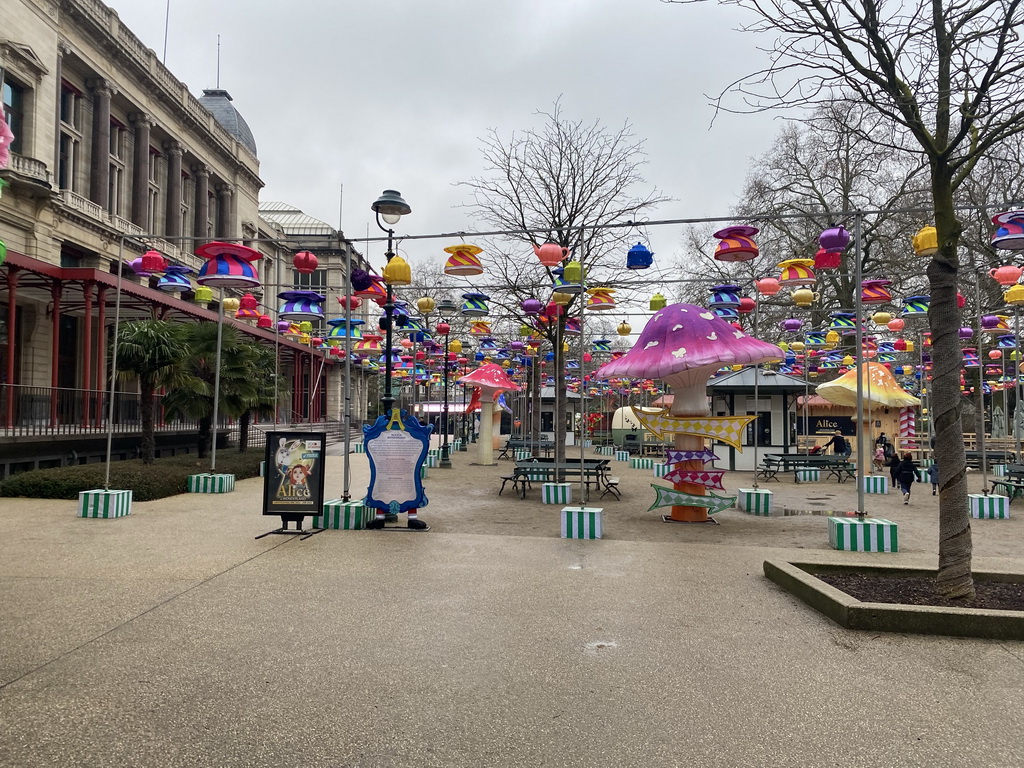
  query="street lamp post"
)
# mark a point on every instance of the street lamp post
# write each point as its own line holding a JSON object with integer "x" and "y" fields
{"x": 389, "y": 207}
{"x": 446, "y": 308}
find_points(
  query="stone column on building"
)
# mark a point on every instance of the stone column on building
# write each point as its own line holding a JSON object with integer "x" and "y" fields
{"x": 225, "y": 221}
{"x": 99, "y": 172}
{"x": 172, "y": 225}
{"x": 202, "y": 202}
{"x": 140, "y": 171}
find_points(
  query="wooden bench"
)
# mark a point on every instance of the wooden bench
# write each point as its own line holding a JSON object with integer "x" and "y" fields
{"x": 515, "y": 482}
{"x": 769, "y": 470}
{"x": 991, "y": 458}
{"x": 1013, "y": 488}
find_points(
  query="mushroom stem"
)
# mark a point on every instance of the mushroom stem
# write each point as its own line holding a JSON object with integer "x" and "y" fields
{"x": 689, "y": 398}
{"x": 485, "y": 445}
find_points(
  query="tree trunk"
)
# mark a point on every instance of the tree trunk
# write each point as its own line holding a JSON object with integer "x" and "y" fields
{"x": 204, "y": 436}
{"x": 147, "y": 403}
{"x": 954, "y": 569}
{"x": 243, "y": 431}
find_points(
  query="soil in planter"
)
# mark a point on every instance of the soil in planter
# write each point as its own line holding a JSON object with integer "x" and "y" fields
{"x": 873, "y": 588}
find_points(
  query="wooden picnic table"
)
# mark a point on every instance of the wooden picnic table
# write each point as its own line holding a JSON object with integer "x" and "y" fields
{"x": 592, "y": 471}
{"x": 534, "y": 446}
{"x": 836, "y": 466}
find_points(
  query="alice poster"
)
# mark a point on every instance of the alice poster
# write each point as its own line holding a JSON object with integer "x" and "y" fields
{"x": 294, "y": 482}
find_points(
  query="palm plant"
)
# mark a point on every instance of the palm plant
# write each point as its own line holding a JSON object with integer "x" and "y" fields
{"x": 267, "y": 390}
{"x": 192, "y": 382}
{"x": 147, "y": 350}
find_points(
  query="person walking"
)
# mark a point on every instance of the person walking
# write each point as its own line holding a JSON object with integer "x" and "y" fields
{"x": 933, "y": 475}
{"x": 906, "y": 474}
{"x": 879, "y": 457}
{"x": 837, "y": 443}
{"x": 893, "y": 463}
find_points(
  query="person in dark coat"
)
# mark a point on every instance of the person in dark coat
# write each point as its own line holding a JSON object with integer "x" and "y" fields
{"x": 893, "y": 463}
{"x": 906, "y": 474}
{"x": 837, "y": 443}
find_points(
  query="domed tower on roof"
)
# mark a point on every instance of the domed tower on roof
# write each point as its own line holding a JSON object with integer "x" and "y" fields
{"x": 218, "y": 102}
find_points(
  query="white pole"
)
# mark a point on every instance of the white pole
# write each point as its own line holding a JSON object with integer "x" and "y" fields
{"x": 216, "y": 381}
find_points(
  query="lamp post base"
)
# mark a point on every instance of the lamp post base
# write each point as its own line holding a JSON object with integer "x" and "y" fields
{"x": 446, "y": 457}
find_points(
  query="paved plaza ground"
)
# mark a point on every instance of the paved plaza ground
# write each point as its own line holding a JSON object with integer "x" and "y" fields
{"x": 174, "y": 638}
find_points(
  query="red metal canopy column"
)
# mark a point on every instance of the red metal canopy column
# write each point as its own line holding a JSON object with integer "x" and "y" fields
{"x": 55, "y": 292}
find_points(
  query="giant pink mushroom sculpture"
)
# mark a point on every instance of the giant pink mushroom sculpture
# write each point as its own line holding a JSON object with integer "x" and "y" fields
{"x": 491, "y": 380}
{"x": 683, "y": 345}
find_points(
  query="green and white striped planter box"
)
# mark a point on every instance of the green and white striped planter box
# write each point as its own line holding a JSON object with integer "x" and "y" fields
{"x": 588, "y": 443}
{"x": 870, "y": 534}
{"x": 636, "y": 463}
{"x": 606, "y": 450}
{"x": 660, "y": 470}
{"x": 582, "y": 522}
{"x": 876, "y": 484}
{"x": 922, "y": 475}
{"x": 523, "y": 455}
{"x": 537, "y": 476}
{"x": 989, "y": 507}
{"x": 999, "y": 470}
{"x": 423, "y": 472}
{"x": 104, "y": 505}
{"x": 211, "y": 483}
{"x": 434, "y": 452}
{"x": 431, "y": 461}
{"x": 927, "y": 462}
{"x": 755, "y": 501}
{"x": 360, "y": 448}
{"x": 622, "y": 455}
{"x": 808, "y": 475}
{"x": 341, "y": 515}
{"x": 556, "y": 493}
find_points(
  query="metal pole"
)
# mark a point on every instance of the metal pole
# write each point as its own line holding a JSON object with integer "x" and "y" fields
{"x": 113, "y": 363}
{"x": 388, "y": 401}
{"x": 446, "y": 457}
{"x": 346, "y": 472}
{"x": 860, "y": 358}
{"x": 584, "y": 488}
{"x": 757, "y": 370}
{"x": 980, "y": 421}
{"x": 216, "y": 380}
{"x": 1016, "y": 381}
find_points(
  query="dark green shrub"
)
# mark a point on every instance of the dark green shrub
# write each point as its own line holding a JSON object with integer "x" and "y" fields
{"x": 166, "y": 477}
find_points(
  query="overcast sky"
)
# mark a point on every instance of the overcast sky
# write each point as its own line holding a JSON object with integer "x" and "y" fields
{"x": 368, "y": 95}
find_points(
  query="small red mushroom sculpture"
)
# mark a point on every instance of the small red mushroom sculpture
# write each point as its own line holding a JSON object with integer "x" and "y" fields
{"x": 684, "y": 345}
{"x": 491, "y": 380}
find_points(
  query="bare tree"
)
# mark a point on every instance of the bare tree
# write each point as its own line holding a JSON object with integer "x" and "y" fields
{"x": 570, "y": 183}
{"x": 949, "y": 74}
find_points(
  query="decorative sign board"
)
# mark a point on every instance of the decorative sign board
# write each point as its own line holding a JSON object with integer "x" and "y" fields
{"x": 397, "y": 449}
{"x": 294, "y": 482}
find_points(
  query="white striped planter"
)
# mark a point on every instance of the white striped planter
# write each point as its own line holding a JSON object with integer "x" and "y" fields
{"x": 556, "y": 493}
{"x": 808, "y": 475}
{"x": 636, "y": 463}
{"x": 606, "y": 450}
{"x": 876, "y": 484}
{"x": 423, "y": 472}
{"x": 582, "y": 522}
{"x": 211, "y": 483}
{"x": 622, "y": 455}
{"x": 989, "y": 507}
{"x": 431, "y": 461}
{"x": 104, "y": 505}
{"x": 755, "y": 501}
{"x": 999, "y": 470}
{"x": 523, "y": 455}
{"x": 341, "y": 515}
{"x": 360, "y": 447}
{"x": 922, "y": 475}
{"x": 869, "y": 534}
{"x": 660, "y": 470}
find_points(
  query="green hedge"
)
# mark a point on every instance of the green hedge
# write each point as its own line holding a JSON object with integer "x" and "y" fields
{"x": 167, "y": 477}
